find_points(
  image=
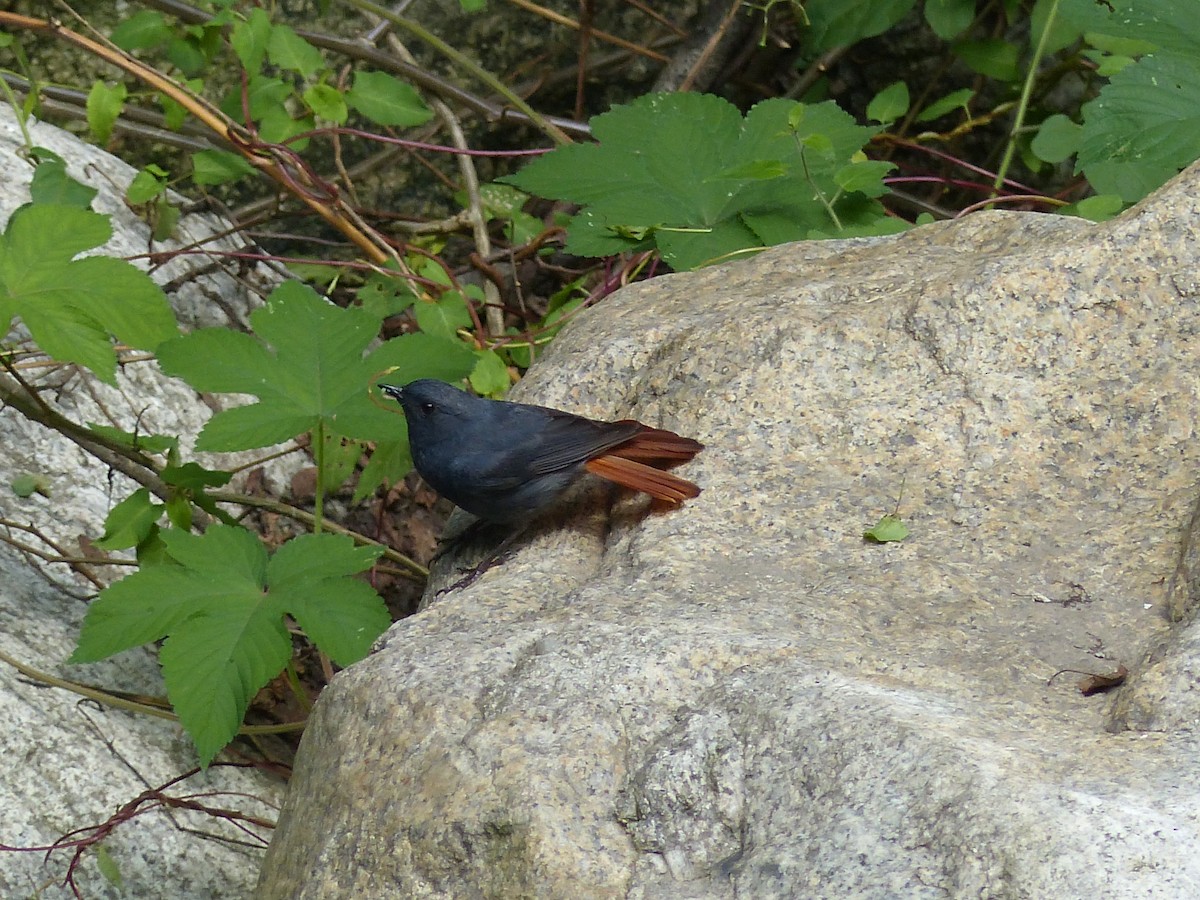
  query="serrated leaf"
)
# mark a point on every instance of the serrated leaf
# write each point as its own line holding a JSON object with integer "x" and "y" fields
{"x": 386, "y": 100}
{"x": 218, "y": 166}
{"x": 288, "y": 50}
{"x": 249, "y": 39}
{"x": 1143, "y": 128}
{"x": 385, "y": 295}
{"x": 1156, "y": 25}
{"x": 327, "y": 102}
{"x": 104, "y": 105}
{"x": 886, "y": 530}
{"x": 889, "y": 104}
{"x": 342, "y": 616}
{"x": 412, "y": 356}
{"x": 129, "y": 522}
{"x": 221, "y": 607}
{"x": 215, "y": 662}
{"x": 71, "y": 306}
{"x": 640, "y": 188}
{"x": 304, "y": 363}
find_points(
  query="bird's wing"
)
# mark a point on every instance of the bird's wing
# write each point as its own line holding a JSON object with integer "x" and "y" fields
{"x": 564, "y": 440}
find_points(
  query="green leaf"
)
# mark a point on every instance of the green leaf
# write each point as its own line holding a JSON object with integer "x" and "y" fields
{"x": 1143, "y": 128}
{"x": 52, "y": 186}
{"x": 264, "y": 95}
{"x": 249, "y": 39}
{"x": 864, "y": 176}
{"x": 107, "y": 866}
{"x": 25, "y": 486}
{"x": 1057, "y": 138}
{"x": 835, "y": 23}
{"x": 341, "y": 615}
{"x": 948, "y": 19}
{"x": 640, "y": 188}
{"x": 412, "y": 356}
{"x": 104, "y": 105}
{"x": 174, "y": 113}
{"x": 148, "y": 184}
{"x": 887, "y": 529}
{"x": 1100, "y": 208}
{"x": 385, "y": 295}
{"x": 221, "y": 608}
{"x": 186, "y": 56}
{"x": 490, "y": 378}
{"x": 889, "y": 104}
{"x": 218, "y": 166}
{"x": 130, "y": 521}
{"x": 1147, "y": 26}
{"x": 304, "y": 363}
{"x": 146, "y": 443}
{"x": 444, "y": 316}
{"x": 288, "y": 50}
{"x": 992, "y": 57}
{"x": 1072, "y": 18}
{"x": 144, "y": 29}
{"x": 277, "y": 126}
{"x": 327, "y": 102}
{"x": 194, "y": 477}
{"x": 389, "y": 462}
{"x": 71, "y": 306}
{"x": 955, "y": 100}
{"x": 386, "y": 100}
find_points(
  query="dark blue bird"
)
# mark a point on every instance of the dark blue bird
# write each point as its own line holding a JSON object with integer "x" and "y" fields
{"x": 506, "y": 462}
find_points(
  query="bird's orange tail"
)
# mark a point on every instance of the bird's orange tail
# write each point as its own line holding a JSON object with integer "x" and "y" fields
{"x": 639, "y": 462}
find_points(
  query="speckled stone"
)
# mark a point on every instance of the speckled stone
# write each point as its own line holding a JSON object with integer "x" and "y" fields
{"x": 742, "y": 698}
{"x": 70, "y": 764}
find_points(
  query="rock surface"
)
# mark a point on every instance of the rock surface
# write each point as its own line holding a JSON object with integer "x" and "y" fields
{"x": 70, "y": 763}
{"x": 743, "y": 698}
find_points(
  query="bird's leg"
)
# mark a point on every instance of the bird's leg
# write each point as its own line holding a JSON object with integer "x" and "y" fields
{"x": 494, "y": 558}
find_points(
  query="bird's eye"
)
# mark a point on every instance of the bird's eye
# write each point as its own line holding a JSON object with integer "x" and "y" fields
{"x": 427, "y": 408}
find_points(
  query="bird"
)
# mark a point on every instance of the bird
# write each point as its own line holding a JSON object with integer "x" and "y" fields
{"x": 506, "y": 462}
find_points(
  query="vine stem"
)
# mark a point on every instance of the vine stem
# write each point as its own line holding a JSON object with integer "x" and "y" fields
{"x": 1026, "y": 92}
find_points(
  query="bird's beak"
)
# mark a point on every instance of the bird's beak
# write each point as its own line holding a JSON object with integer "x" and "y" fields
{"x": 392, "y": 391}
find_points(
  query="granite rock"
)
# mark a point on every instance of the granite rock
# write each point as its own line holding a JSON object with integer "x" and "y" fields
{"x": 743, "y": 698}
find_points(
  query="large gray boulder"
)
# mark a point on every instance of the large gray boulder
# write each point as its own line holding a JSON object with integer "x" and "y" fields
{"x": 742, "y": 698}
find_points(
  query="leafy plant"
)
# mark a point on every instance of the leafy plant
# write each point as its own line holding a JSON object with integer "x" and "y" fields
{"x": 219, "y": 601}
{"x": 73, "y": 307}
{"x": 687, "y": 175}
